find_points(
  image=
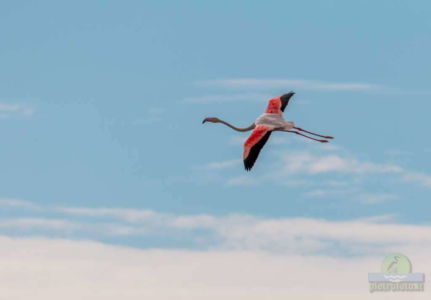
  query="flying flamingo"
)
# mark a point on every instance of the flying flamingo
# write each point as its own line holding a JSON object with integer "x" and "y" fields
{"x": 271, "y": 120}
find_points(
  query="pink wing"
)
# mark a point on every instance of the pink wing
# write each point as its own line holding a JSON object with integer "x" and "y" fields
{"x": 277, "y": 105}
{"x": 274, "y": 106}
{"x": 254, "y": 144}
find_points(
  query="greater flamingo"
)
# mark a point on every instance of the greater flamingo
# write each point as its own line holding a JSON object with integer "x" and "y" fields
{"x": 271, "y": 120}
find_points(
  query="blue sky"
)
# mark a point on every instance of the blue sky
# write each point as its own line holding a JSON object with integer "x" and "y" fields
{"x": 101, "y": 104}
{"x": 112, "y": 188}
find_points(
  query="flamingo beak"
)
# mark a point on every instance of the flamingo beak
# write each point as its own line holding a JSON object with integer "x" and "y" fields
{"x": 204, "y": 120}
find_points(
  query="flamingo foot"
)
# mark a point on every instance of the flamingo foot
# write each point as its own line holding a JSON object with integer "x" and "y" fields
{"x": 323, "y": 141}
{"x": 328, "y": 137}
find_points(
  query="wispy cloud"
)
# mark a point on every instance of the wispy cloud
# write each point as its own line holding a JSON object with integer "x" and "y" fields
{"x": 257, "y": 83}
{"x": 423, "y": 179}
{"x": 229, "y": 232}
{"x": 17, "y": 203}
{"x": 37, "y": 224}
{"x": 331, "y": 192}
{"x": 309, "y": 163}
{"x": 333, "y": 174}
{"x": 386, "y": 218}
{"x": 353, "y": 192}
{"x": 370, "y": 198}
{"x": 125, "y": 214}
{"x": 223, "y": 164}
{"x": 306, "y": 162}
{"x": 8, "y": 109}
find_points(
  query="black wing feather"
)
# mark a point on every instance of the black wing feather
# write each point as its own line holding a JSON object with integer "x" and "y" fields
{"x": 255, "y": 150}
{"x": 285, "y": 100}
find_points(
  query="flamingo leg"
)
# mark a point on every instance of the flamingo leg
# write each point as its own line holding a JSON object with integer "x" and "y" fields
{"x": 323, "y": 136}
{"x": 308, "y": 137}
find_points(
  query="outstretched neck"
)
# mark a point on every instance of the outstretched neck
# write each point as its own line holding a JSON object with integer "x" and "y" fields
{"x": 237, "y": 128}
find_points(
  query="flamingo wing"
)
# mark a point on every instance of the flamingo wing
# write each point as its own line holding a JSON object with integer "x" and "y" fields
{"x": 254, "y": 144}
{"x": 277, "y": 104}
{"x": 261, "y": 133}
{"x": 285, "y": 100}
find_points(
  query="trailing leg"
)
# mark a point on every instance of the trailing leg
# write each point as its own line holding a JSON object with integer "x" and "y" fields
{"x": 323, "y": 136}
{"x": 308, "y": 137}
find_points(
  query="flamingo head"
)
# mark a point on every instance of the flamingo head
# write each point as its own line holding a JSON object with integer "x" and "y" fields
{"x": 211, "y": 120}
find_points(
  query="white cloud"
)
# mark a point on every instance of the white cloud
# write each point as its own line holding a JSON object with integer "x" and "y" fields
{"x": 370, "y": 198}
{"x": 8, "y": 109}
{"x": 238, "y": 232}
{"x": 331, "y": 192}
{"x": 125, "y": 214}
{"x": 63, "y": 269}
{"x": 223, "y": 164}
{"x": 300, "y": 235}
{"x": 379, "y": 219}
{"x": 146, "y": 220}
{"x": 250, "y": 258}
{"x": 290, "y": 84}
{"x": 17, "y": 203}
{"x": 306, "y": 162}
{"x": 294, "y": 167}
{"x": 35, "y": 224}
{"x": 293, "y": 236}
{"x": 353, "y": 193}
{"x": 421, "y": 178}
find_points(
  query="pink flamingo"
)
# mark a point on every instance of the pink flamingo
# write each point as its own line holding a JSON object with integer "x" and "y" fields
{"x": 271, "y": 120}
